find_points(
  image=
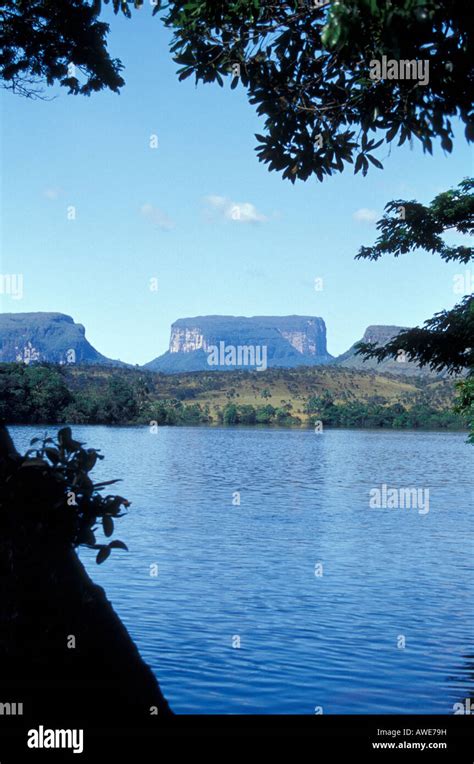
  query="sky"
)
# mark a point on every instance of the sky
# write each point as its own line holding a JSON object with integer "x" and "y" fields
{"x": 126, "y": 238}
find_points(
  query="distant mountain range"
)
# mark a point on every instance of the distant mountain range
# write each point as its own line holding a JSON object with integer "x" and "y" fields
{"x": 202, "y": 343}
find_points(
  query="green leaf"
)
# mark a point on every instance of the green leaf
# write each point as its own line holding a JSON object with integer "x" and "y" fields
{"x": 376, "y": 145}
{"x": 331, "y": 33}
{"x": 66, "y": 441}
{"x": 375, "y": 162}
{"x": 108, "y": 525}
{"x": 52, "y": 454}
{"x": 469, "y": 132}
{"x": 359, "y": 163}
{"x": 64, "y": 434}
{"x": 106, "y": 482}
{"x": 102, "y": 555}
{"x": 447, "y": 143}
{"x": 118, "y": 545}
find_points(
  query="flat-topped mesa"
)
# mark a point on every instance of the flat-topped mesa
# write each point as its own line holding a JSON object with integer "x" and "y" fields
{"x": 46, "y": 337}
{"x": 288, "y": 341}
{"x": 305, "y": 334}
{"x": 380, "y": 334}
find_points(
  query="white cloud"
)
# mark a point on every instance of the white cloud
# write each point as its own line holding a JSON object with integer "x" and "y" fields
{"x": 52, "y": 193}
{"x": 236, "y": 212}
{"x": 365, "y": 215}
{"x": 216, "y": 201}
{"x": 157, "y": 217}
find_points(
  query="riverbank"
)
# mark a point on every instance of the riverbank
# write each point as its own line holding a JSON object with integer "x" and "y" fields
{"x": 64, "y": 652}
{"x": 303, "y": 397}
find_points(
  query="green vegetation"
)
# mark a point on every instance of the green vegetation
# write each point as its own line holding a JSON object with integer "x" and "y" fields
{"x": 247, "y": 414}
{"x": 32, "y": 393}
{"x": 44, "y": 393}
{"x": 357, "y": 414}
{"x": 40, "y": 40}
{"x": 305, "y": 67}
{"x": 303, "y": 64}
{"x": 445, "y": 342}
{"x": 48, "y": 493}
{"x": 465, "y": 403}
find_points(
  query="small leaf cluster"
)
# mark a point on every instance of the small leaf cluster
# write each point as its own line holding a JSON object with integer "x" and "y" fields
{"x": 65, "y": 465}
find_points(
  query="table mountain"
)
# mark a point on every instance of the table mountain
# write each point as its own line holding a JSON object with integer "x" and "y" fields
{"x": 380, "y": 335}
{"x": 52, "y": 337}
{"x": 213, "y": 342}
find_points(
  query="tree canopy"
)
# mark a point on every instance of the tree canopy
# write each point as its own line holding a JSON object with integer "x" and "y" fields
{"x": 305, "y": 65}
{"x": 446, "y": 342}
{"x": 409, "y": 225}
{"x": 43, "y": 41}
{"x": 123, "y": 396}
{"x": 306, "y": 68}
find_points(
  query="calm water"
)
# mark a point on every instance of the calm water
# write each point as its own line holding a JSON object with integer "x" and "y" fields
{"x": 248, "y": 571}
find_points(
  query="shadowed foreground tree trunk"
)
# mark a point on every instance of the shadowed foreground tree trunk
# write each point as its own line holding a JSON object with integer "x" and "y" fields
{"x": 64, "y": 653}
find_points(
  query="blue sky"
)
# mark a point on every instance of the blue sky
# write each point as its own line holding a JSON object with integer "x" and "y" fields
{"x": 166, "y": 213}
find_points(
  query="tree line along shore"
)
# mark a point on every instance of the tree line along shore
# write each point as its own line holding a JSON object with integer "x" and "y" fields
{"x": 302, "y": 397}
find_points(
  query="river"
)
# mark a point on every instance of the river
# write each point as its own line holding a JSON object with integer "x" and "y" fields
{"x": 280, "y": 588}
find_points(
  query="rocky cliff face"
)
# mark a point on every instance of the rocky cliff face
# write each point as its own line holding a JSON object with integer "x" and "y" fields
{"x": 304, "y": 341}
{"x": 52, "y": 337}
{"x": 186, "y": 339}
{"x": 288, "y": 341}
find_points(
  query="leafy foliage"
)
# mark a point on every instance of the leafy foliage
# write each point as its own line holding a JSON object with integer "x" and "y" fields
{"x": 305, "y": 66}
{"x": 159, "y": 400}
{"x": 465, "y": 403}
{"x": 377, "y": 415}
{"x": 50, "y": 489}
{"x": 409, "y": 225}
{"x": 32, "y": 393}
{"x": 447, "y": 340}
{"x": 248, "y": 414}
{"x": 40, "y": 39}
